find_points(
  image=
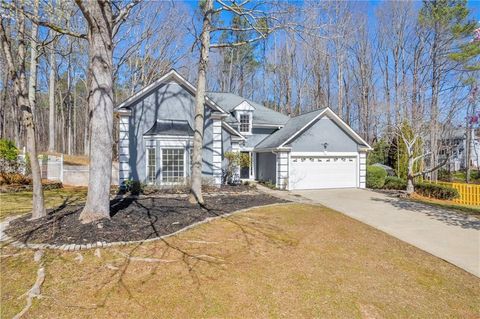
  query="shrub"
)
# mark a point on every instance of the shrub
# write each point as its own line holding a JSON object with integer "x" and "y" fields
{"x": 235, "y": 161}
{"x": 445, "y": 175}
{"x": 7, "y": 178}
{"x": 8, "y": 151}
{"x": 8, "y": 157}
{"x": 436, "y": 191}
{"x": 134, "y": 187}
{"x": 379, "y": 153}
{"x": 268, "y": 184}
{"x": 375, "y": 177}
{"x": 394, "y": 182}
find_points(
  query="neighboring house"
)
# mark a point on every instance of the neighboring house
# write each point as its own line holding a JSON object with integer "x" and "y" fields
{"x": 458, "y": 154}
{"x": 313, "y": 150}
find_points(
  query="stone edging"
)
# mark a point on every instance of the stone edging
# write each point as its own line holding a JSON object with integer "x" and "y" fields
{"x": 99, "y": 244}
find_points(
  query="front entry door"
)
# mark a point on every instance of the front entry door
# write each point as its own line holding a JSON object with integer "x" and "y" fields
{"x": 245, "y": 171}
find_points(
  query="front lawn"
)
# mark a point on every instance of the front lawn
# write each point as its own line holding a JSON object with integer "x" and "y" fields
{"x": 290, "y": 261}
{"x": 17, "y": 203}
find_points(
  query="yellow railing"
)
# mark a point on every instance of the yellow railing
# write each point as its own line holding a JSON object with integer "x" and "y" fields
{"x": 469, "y": 193}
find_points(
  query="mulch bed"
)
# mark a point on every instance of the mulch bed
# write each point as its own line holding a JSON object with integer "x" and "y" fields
{"x": 206, "y": 189}
{"x": 132, "y": 219}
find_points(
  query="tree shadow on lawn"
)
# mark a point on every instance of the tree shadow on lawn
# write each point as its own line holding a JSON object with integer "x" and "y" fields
{"x": 200, "y": 262}
{"x": 446, "y": 216}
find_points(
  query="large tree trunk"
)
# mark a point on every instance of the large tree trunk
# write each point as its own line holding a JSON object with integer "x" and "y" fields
{"x": 100, "y": 102}
{"x": 196, "y": 179}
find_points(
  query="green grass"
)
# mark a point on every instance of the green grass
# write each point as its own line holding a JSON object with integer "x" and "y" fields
{"x": 467, "y": 209}
{"x": 288, "y": 261}
{"x": 21, "y": 202}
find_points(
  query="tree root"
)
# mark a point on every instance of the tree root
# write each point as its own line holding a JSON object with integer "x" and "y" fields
{"x": 34, "y": 292}
{"x": 147, "y": 259}
{"x": 202, "y": 242}
{"x": 151, "y": 260}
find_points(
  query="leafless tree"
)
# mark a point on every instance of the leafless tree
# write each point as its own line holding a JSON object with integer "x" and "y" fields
{"x": 259, "y": 23}
{"x": 413, "y": 135}
{"x": 18, "y": 74}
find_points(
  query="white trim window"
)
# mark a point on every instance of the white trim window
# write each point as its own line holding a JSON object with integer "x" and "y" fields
{"x": 245, "y": 120}
{"x": 173, "y": 165}
{"x": 151, "y": 165}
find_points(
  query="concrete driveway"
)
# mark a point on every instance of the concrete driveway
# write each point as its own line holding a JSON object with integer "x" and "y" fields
{"x": 448, "y": 235}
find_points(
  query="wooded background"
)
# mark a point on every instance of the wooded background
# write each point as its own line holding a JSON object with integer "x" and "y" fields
{"x": 375, "y": 64}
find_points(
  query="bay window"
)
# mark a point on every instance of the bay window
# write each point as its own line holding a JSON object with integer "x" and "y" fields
{"x": 151, "y": 165}
{"x": 173, "y": 165}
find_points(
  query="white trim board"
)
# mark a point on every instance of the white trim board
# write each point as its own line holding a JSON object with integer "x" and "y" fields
{"x": 169, "y": 138}
{"x": 231, "y": 130}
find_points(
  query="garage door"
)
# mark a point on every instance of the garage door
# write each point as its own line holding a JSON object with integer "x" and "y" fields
{"x": 313, "y": 172}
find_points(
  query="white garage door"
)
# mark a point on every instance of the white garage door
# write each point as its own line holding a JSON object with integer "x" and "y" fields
{"x": 313, "y": 172}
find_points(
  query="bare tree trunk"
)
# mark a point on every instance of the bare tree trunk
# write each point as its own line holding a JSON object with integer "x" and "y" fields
{"x": 468, "y": 150}
{"x": 74, "y": 111}
{"x": 32, "y": 82}
{"x": 3, "y": 106}
{"x": 100, "y": 101}
{"x": 18, "y": 75}
{"x": 340, "y": 86}
{"x": 434, "y": 104}
{"x": 69, "y": 110}
{"x": 196, "y": 179}
{"x": 410, "y": 172}
{"x": 51, "y": 101}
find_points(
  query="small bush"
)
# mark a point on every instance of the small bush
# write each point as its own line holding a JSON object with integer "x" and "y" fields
{"x": 393, "y": 182}
{"x": 8, "y": 157}
{"x": 375, "y": 177}
{"x": 8, "y": 151}
{"x": 134, "y": 187}
{"x": 14, "y": 179}
{"x": 268, "y": 184}
{"x": 26, "y": 186}
{"x": 52, "y": 185}
{"x": 235, "y": 161}
{"x": 436, "y": 191}
{"x": 445, "y": 175}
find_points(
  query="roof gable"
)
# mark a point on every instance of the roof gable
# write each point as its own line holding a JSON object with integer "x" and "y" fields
{"x": 297, "y": 125}
{"x": 244, "y": 106}
{"x": 291, "y": 128}
{"x": 262, "y": 116}
{"x": 171, "y": 76}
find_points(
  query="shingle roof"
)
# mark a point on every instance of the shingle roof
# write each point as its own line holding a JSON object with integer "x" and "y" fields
{"x": 255, "y": 139}
{"x": 170, "y": 127}
{"x": 261, "y": 115}
{"x": 293, "y": 126}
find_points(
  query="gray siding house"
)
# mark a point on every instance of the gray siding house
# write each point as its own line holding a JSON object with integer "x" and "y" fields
{"x": 313, "y": 150}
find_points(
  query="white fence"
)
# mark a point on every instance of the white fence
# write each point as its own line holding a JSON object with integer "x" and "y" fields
{"x": 53, "y": 168}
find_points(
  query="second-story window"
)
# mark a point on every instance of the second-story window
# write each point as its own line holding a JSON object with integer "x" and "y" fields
{"x": 244, "y": 123}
